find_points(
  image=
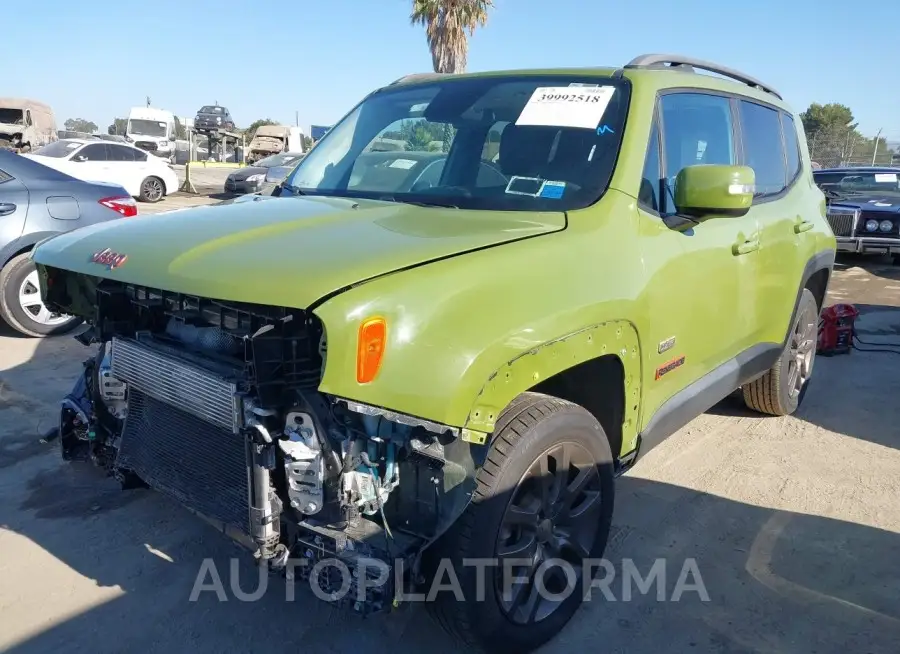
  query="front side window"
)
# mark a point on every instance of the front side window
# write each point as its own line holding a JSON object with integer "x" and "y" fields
{"x": 697, "y": 130}
{"x": 93, "y": 152}
{"x": 516, "y": 143}
{"x": 763, "y": 147}
{"x": 28, "y": 118}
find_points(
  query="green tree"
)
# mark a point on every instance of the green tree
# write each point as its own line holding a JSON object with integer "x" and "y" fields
{"x": 118, "y": 126}
{"x": 80, "y": 125}
{"x": 822, "y": 118}
{"x": 255, "y": 125}
{"x": 448, "y": 24}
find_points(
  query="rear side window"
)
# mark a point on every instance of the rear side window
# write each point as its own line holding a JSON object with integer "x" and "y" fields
{"x": 791, "y": 146}
{"x": 120, "y": 153}
{"x": 763, "y": 147}
{"x": 138, "y": 155}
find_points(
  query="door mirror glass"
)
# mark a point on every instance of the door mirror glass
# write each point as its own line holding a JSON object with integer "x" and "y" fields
{"x": 79, "y": 158}
{"x": 710, "y": 191}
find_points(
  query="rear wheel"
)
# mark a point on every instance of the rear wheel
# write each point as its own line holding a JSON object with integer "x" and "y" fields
{"x": 781, "y": 390}
{"x": 21, "y": 305}
{"x": 541, "y": 510}
{"x": 152, "y": 190}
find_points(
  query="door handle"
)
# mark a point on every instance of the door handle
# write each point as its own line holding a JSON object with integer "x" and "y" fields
{"x": 7, "y": 208}
{"x": 803, "y": 226}
{"x": 745, "y": 247}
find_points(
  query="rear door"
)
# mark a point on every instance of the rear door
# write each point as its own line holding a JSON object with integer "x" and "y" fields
{"x": 14, "y": 199}
{"x": 773, "y": 153}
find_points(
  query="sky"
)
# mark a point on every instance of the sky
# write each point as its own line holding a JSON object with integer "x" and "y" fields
{"x": 313, "y": 60}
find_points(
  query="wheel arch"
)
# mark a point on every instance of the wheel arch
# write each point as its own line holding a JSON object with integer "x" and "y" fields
{"x": 22, "y": 245}
{"x": 597, "y": 367}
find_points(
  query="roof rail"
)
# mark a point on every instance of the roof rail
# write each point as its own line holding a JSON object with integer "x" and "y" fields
{"x": 688, "y": 64}
{"x": 419, "y": 77}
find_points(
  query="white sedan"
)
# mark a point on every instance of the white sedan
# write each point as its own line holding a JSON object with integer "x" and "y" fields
{"x": 144, "y": 176}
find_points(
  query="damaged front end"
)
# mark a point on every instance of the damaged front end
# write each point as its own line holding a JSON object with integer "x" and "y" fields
{"x": 215, "y": 404}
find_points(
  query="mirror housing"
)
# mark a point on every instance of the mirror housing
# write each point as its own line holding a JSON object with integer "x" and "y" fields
{"x": 79, "y": 158}
{"x": 710, "y": 191}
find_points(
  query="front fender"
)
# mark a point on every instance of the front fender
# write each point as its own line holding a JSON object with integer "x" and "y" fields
{"x": 468, "y": 333}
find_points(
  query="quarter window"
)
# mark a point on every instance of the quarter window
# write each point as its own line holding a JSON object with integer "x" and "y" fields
{"x": 763, "y": 147}
{"x": 697, "y": 130}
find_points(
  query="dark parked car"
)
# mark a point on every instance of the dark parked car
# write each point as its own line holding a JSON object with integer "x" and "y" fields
{"x": 36, "y": 203}
{"x": 213, "y": 117}
{"x": 863, "y": 208}
{"x": 251, "y": 178}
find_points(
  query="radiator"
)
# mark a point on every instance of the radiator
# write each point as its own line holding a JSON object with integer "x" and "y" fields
{"x": 194, "y": 390}
{"x": 201, "y": 465}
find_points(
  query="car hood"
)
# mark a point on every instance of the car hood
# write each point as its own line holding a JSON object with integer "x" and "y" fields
{"x": 869, "y": 204}
{"x": 244, "y": 173}
{"x": 283, "y": 251}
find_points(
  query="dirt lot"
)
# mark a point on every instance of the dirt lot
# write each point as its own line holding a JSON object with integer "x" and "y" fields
{"x": 794, "y": 524}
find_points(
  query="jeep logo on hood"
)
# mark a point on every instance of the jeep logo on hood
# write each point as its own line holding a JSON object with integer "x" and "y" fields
{"x": 108, "y": 258}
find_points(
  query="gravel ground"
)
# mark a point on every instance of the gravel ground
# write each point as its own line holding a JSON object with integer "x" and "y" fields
{"x": 794, "y": 525}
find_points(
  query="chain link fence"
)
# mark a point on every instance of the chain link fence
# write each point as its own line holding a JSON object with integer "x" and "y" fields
{"x": 847, "y": 147}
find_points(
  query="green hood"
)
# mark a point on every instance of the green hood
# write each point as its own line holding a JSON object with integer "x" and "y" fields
{"x": 283, "y": 251}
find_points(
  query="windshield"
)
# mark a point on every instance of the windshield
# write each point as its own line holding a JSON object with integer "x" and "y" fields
{"x": 58, "y": 149}
{"x": 12, "y": 116}
{"x": 519, "y": 143}
{"x": 211, "y": 110}
{"x": 859, "y": 184}
{"x": 277, "y": 160}
{"x": 140, "y": 127}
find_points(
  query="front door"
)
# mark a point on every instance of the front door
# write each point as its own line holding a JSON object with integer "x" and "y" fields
{"x": 701, "y": 306}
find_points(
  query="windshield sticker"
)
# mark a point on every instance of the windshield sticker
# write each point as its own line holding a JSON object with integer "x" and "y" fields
{"x": 552, "y": 190}
{"x": 563, "y": 106}
{"x": 418, "y": 108}
{"x": 885, "y": 177}
{"x": 72, "y": 146}
{"x": 405, "y": 164}
{"x": 535, "y": 187}
{"x": 584, "y": 86}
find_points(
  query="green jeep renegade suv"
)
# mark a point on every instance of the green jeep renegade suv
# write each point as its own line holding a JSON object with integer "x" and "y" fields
{"x": 474, "y": 303}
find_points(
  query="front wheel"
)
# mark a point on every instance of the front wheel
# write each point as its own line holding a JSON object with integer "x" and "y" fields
{"x": 540, "y": 517}
{"x": 781, "y": 390}
{"x": 21, "y": 305}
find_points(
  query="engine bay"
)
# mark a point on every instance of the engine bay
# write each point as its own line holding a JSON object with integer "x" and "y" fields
{"x": 216, "y": 405}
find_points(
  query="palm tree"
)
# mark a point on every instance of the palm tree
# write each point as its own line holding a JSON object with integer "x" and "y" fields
{"x": 448, "y": 24}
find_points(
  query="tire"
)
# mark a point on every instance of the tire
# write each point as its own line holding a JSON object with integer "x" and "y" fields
{"x": 778, "y": 392}
{"x": 20, "y": 275}
{"x": 533, "y": 428}
{"x": 153, "y": 189}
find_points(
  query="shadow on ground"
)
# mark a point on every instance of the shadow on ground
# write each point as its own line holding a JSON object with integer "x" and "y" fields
{"x": 776, "y": 580}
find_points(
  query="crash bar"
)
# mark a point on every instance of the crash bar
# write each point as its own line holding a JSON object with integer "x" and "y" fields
{"x": 687, "y": 64}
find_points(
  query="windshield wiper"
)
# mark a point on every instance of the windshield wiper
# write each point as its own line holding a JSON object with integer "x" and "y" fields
{"x": 419, "y": 203}
{"x": 292, "y": 189}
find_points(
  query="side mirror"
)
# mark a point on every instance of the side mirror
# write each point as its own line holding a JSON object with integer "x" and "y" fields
{"x": 710, "y": 191}
{"x": 80, "y": 158}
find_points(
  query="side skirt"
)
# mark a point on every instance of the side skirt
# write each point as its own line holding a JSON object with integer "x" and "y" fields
{"x": 702, "y": 395}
